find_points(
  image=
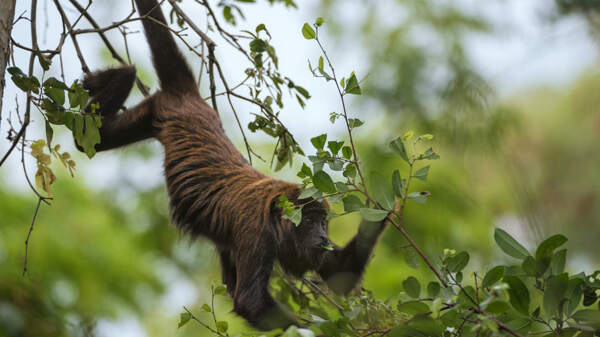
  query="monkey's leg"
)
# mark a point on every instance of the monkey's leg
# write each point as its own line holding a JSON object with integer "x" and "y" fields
{"x": 251, "y": 299}
{"x": 342, "y": 268}
{"x": 109, "y": 88}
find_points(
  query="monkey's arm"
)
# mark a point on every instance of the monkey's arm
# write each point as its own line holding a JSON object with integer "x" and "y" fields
{"x": 132, "y": 125}
{"x": 342, "y": 268}
{"x": 251, "y": 299}
{"x": 108, "y": 89}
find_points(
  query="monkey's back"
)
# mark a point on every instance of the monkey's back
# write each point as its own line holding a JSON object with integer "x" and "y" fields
{"x": 213, "y": 190}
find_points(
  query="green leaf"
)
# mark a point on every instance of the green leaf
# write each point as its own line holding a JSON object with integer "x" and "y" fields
{"x": 458, "y": 262}
{"x": 334, "y": 147}
{"x": 308, "y": 32}
{"x": 228, "y": 16}
{"x": 433, "y": 289}
{"x": 294, "y": 216}
{"x": 49, "y": 134}
{"x": 547, "y": 247}
{"x": 341, "y": 187}
{"x": 347, "y": 152}
{"x": 422, "y": 173}
{"x": 574, "y": 294}
{"x": 319, "y": 21}
{"x": 352, "y": 86}
{"x": 518, "y": 294}
{"x": 258, "y": 46}
{"x": 587, "y": 317}
{"x": 413, "y": 308}
{"x": 589, "y": 296}
{"x": 411, "y": 258}
{"x": 323, "y": 182}
{"x": 354, "y": 123}
{"x": 206, "y": 308}
{"x": 15, "y": 71}
{"x": 350, "y": 171}
{"x": 321, "y": 65}
{"x": 397, "y": 184}
{"x": 184, "y": 317}
{"x": 26, "y": 83}
{"x": 319, "y": 141}
{"x": 493, "y": 275}
{"x": 541, "y": 265}
{"x": 352, "y": 203}
{"x": 419, "y": 197}
{"x": 382, "y": 192}
{"x": 77, "y": 95}
{"x": 529, "y": 266}
{"x": 373, "y": 215}
{"x": 497, "y": 307}
{"x": 398, "y": 147}
{"x": 305, "y": 172}
{"x": 557, "y": 264}
{"x": 52, "y": 82}
{"x": 429, "y": 154}
{"x": 220, "y": 289}
{"x": 57, "y": 95}
{"x": 307, "y": 193}
{"x": 412, "y": 287}
{"x": 261, "y": 27}
{"x": 556, "y": 286}
{"x": 222, "y": 326}
{"x": 302, "y": 91}
{"x": 408, "y": 135}
{"x": 509, "y": 245}
{"x": 90, "y": 136}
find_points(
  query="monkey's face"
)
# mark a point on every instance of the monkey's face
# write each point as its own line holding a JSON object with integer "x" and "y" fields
{"x": 311, "y": 235}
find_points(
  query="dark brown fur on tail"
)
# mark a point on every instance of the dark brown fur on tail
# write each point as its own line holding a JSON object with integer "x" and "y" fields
{"x": 215, "y": 193}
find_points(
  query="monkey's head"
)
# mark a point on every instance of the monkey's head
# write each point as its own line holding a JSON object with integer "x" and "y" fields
{"x": 305, "y": 244}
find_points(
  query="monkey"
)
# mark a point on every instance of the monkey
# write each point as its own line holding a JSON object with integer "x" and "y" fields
{"x": 215, "y": 193}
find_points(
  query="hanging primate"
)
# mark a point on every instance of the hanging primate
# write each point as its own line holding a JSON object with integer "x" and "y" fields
{"x": 213, "y": 190}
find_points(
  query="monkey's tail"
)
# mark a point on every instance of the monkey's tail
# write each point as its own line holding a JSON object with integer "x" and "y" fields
{"x": 173, "y": 72}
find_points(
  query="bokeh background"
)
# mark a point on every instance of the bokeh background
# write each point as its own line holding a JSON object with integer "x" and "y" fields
{"x": 509, "y": 88}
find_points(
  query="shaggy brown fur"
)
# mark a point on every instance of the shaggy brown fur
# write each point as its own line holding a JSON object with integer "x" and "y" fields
{"x": 215, "y": 193}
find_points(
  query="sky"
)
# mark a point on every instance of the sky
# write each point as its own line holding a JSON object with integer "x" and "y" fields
{"x": 526, "y": 51}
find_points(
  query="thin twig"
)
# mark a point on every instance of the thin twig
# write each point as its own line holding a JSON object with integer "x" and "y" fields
{"x": 37, "y": 208}
{"x": 66, "y": 22}
{"x": 202, "y": 323}
{"x": 141, "y": 86}
{"x": 476, "y": 308}
{"x": 203, "y": 36}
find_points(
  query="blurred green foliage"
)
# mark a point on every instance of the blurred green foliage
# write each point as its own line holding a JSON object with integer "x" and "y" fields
{"x": 528, "y": 164}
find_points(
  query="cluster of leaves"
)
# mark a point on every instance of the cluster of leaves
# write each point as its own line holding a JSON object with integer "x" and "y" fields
{"x": 44, "y": 177}
{"x": 503, "y": 301}
{"x": 509, "y": 300}
{"x": 267, "y": 90}
{"x": 350, "y": 191}
{"x": 220, "y": 327}
{"x": 50, "y": 97}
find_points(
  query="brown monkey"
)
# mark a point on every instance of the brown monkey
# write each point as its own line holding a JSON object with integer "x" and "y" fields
{"x": 215, "y": 193}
